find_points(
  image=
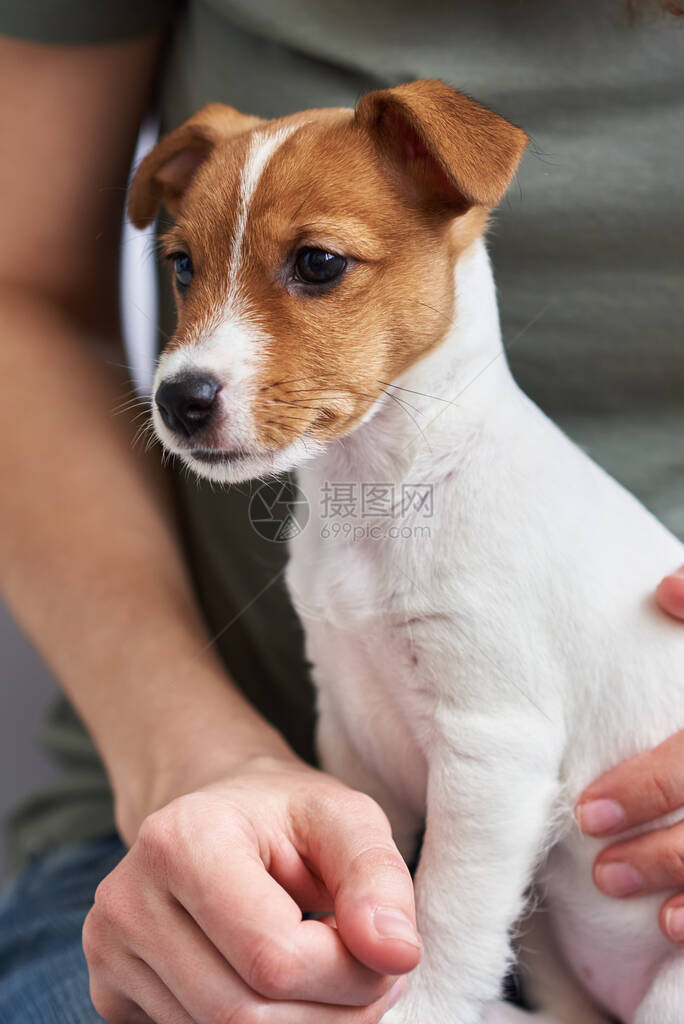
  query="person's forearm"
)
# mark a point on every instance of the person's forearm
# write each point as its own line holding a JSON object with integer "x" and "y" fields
{"x": 92, "y": 570}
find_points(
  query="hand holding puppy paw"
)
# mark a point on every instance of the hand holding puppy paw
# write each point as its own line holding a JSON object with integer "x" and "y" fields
{"x": 201, "y": 920}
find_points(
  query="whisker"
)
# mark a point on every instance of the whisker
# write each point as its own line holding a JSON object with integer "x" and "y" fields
{"x": 435, "y": 310}
{"x": 320, "y": 387}
{"x": 129, "y": 394}
{"x": 410, "y": 391}
{"x": 151, "y": 441}
{"x": 347, "y": 391}
{"x": 144, "y": 412}
{"x": 130, "y": 405}
{"x": 415, "y": 421}
{"x": 145, "y": 428}
{"x": 291, "y": 380}
{"x": 365, "y": 394}
{"x": 286, "y": 416}
{"x": 296, "y": 405}
{"x": 119, "y": 366}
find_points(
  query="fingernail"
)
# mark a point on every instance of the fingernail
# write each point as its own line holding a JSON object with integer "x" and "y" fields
{"x": 599, "y": 816}
{"x": 618, "y": 879}
{"x": 674, "y": 924}
{"x": 396, "y": 992}
{"x": 393, "y": 924}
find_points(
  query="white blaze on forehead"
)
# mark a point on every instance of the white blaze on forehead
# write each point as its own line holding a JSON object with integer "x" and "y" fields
{"x": 228, "y": 343}
{"x": 261, "y": 148}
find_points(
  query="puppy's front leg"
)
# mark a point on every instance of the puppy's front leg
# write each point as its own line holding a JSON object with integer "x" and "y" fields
{"x": 490, "y": 790}
{"x": 340, "y": 758}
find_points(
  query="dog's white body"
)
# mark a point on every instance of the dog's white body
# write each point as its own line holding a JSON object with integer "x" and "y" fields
{"x": 488, "y": 672}
{"x": 484, "y": 673}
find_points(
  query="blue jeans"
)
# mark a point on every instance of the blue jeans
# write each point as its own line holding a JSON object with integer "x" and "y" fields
{"x": 43, "y": 973}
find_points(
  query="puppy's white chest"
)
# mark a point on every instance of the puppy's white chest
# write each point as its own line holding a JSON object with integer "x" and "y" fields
{"x": 366, "y": 672}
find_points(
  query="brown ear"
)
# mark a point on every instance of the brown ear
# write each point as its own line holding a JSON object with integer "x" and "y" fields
{"x": 167, "y": 170}
{"x": 452, "y": 150}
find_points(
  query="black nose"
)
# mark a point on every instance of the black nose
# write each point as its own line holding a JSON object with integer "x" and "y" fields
{"x": 187, "y": 403}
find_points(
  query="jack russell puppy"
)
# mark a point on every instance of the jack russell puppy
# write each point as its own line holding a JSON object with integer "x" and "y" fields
{"x": 337, "y": 315}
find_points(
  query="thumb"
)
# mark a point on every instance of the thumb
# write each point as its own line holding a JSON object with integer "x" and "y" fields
{"x": 670, "y": 594}
{"x": 370, "y": 884}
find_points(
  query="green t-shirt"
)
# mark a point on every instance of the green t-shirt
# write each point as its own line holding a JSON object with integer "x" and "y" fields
{"x": 592, "y": 232}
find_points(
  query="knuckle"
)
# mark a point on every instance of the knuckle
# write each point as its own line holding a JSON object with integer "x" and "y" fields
{"x": 252, "y": 1012}
{"x": 92, "y": 941}
{"x": 109, "y": 906}
{"x": 371, "y": 1014}
{"x": 671, "y": 860}
{"x": 379, "y": 988}
{"x": 665, "y": 797}
{"x": 157, "y": 839}
{"x": 371, "y": 811}
{"x": 108, "y": 1005}
{"x": 352, "y": 808}
{"x": 381, "y": 860}
{"x": 272, "y": 972}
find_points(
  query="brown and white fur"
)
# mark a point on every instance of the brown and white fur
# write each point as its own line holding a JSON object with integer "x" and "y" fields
{"x": 480, "y": 676}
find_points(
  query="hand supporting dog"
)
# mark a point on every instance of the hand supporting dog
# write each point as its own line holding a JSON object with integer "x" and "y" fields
{"x": 638, "y": 791}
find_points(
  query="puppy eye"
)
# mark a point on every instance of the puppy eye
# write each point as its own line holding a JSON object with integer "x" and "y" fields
{"x": 317, "y": 266}
{"x": 182, "y": 265}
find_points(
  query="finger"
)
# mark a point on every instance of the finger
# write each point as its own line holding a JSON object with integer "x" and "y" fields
{"x": 202, "y": 979}
{"x": 672, "y": 919}
{"x": 670, "y": 594}
{"x": 123, "y": 989}
{"x": 254, "y": 924}
{"x": 320, "y": 1013}
{"x": 210, "y": 994}
{"x": 117, "y": 1009}
{"x": 146, "y": 990}
{"x": 157, "y": 932}
{"x": 113, "y": 1007}
{"x": 637, "y": 791}
{"x": 349, "y": 841}
{"x": 297, "y": 879}
{"x": 649, "y": 863}
{"x": 310, "y": 1013}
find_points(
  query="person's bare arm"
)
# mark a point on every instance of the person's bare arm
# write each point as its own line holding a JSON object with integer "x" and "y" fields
{"x": 201, "y": 920}
{"x": 90, "y": 563}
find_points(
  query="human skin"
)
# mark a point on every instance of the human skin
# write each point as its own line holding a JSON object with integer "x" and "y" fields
{"x": 209, "y": 798}
{"x": 635, "y": 793}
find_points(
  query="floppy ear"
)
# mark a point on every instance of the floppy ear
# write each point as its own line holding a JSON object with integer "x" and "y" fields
{"x": 451, "y": 150}
{"x": 167, "y": 170}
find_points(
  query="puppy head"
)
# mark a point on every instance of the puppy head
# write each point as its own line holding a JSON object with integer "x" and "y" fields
{"x": 313, "y": 260}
